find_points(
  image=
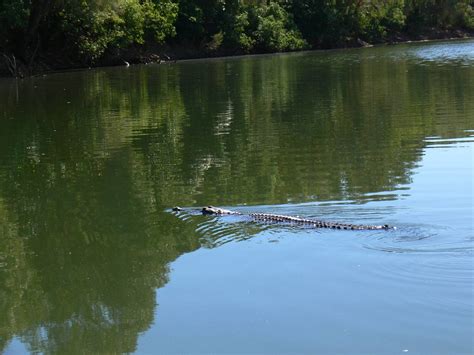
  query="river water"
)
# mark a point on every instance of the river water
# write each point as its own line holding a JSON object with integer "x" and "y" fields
{"x": 92, "y": 260}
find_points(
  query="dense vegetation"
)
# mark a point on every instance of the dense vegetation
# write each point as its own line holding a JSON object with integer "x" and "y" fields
{"x": 62, "y": 33}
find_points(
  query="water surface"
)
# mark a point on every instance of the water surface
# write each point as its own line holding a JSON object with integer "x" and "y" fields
{"x": 91, "y": 260}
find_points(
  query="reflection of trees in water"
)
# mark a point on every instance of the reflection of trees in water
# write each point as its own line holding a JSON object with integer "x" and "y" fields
{"x": 360, "y": 123}
{"x": 87, "y": 259}
{"x": 84, "y": 242}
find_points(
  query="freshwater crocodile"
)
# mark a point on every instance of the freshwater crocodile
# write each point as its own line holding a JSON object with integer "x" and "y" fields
{"x": 268, "y": 217}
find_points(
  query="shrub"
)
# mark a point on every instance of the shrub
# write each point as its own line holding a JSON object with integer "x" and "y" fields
{"x": 276, "y": 30}
{"x": 95, "y": 26}
{"x": 380, "y": 18}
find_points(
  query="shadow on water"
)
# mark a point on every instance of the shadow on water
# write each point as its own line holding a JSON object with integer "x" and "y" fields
{"x": 90, "y": 160}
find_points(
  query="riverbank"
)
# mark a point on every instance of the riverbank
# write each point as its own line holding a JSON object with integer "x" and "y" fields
{"x": 51, "y": 62}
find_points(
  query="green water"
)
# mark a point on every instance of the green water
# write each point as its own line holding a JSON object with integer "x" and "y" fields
{"x": 92, "y": 261}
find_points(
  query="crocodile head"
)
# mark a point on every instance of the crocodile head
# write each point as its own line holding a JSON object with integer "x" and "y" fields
{"x": 215, "y": 210}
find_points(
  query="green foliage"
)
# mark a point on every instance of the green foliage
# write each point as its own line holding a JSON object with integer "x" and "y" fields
{"x": 89, "y": 30}
{"x": 244, "y": 40}
{"x": 266, "y": 28}
{"x": 382, "y": 18}
{"x": 199, "y": 20}
{"x": 160, "y": 18}
{"x": 13, "y": 19}
{"x": 464, "y": 14}
{"x": 236, "y": 27}
{"x": 439, "y": 13}
{"x": 95, "y": 26}
{"x": 276, "y": 30}
{"x": 328, "y": 22}
{"x": 13, "y": 14}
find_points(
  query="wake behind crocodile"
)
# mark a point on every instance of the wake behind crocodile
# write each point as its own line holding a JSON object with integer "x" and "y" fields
{"x": 296, "y": 220}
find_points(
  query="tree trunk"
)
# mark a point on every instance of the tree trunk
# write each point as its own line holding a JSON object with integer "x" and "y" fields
{"x": 38, "y": 12}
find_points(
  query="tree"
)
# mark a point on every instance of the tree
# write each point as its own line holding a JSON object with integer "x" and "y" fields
{"x": 94, "y": 27}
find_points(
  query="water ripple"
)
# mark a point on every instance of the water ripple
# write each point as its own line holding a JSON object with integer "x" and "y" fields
{"x": 218, "y": 230}
{"x": 417, "y": 239}
{"x": 449, "y": 52}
